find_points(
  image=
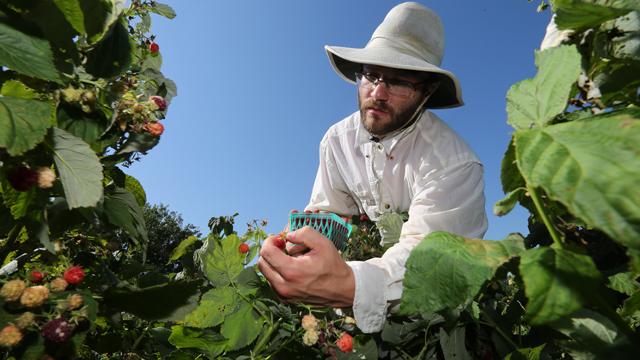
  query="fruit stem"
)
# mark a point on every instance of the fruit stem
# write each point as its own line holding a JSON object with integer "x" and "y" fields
{"x": 557, "y": 242}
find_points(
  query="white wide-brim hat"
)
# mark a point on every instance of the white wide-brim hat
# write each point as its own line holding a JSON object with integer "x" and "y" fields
{"x": 410, "y": 37}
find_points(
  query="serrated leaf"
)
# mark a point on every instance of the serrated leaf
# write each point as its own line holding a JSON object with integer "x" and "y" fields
{"x": 164, "y": 10}
{"x": 23, "y": 123}
{"x": 241, "y": 327}
{"x": 88, "y": 127}
{"x": 112, "y": 55}
{"x": 593, "y": 335}
{"x": 17, "y": 202}
{"x": 557, "y": 283}
{"x": 526, "y": 353}
{"x": 446, "y": 270}
{"x": 103, "y": 15}
{"x": 504, "y": 206}
{"x": 27, "y": 54}
{"x": 72, "y": 13}
{"x": 592, "y": 167}
{"x": 134, "y": 187}
{"x": 180, "y": 250}
{"x": 535, "y": 102}
{"x": 223, "y": 265}
{"x": 214, "y": 306}
{"x": 582, "y": 14}
{"x": 624, "y": 283}
{"x": 122, "y": 210}
{"x": 16, "y": 89}
{"x": 178, "y": 299}
{"x": 185, "y": 338}
{"x": 79, "y": 168}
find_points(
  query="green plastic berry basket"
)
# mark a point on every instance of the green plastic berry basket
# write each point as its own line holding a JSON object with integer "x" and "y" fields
{"x": 330, "y": 225}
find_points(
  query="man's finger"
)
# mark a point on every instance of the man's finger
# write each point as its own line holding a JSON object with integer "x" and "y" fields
{"x": 307, "y": 237}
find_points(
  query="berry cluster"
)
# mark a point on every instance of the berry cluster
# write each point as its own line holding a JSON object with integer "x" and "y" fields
{"x": 318, "y": 332}
{"x": 56, "y": 318}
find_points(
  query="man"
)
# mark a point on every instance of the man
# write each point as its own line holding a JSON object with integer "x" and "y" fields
{"x": 391, "y": 155}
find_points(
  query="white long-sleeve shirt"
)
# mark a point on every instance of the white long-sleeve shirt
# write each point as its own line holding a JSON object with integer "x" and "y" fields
{"x": 426, "y": 169}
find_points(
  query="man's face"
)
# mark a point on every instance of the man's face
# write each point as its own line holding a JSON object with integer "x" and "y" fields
{"x": 382, "y": 112}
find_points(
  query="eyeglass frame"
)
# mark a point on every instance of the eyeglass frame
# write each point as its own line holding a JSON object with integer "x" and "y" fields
{"x": 375, "y": 79}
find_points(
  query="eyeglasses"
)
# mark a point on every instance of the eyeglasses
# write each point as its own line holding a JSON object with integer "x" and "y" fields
{"x": 397, "y": 87}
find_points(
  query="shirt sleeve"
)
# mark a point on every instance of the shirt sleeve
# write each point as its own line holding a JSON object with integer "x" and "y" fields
{"x": 449, "y": 200}
{"x": 330, "y": 193}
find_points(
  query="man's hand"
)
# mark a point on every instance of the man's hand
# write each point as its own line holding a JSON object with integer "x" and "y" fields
{"x": 318, "y": 277}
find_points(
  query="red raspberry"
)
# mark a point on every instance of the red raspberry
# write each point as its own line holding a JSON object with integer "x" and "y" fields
{"x": 345, "y": 343}
{"x": 243, "y": 248}
{"x": 308, "y": 211}
{"x": 364, "y": 217}
{"x": 294, "y": 211}
{"x": 36, "y": 276}
{"x": 74, "y": 275}
{"x": 155, "y": 129}
{"x": 154, "y": 48}
{"x": 22, "y": 178}
{"x": 57, "y": 330}
{"x": 159, "y": 101}
{"x": 279, "y": 242}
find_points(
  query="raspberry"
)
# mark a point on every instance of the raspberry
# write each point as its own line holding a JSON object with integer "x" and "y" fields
{"x": 58, "y": 285}
{"x": 310, "y": 337}
{"x": 46, "y": 177}
{"x": 280, "y": 241}
{"x": 243, "y": 248}
{"x": 75, "y": 301}
{"x": 154, "y": 48}
{"x": 10, "y": 336}
{"x": 34, "y": 296}
{"x": 25, "y": 320}
{"x": 155, "y": 129}
{"x": 364, "y": 217}
{"x": 12, "y": 290}
{"x": 36, "y": 277}
{"x": 345, "y": 343}
{"x": 309, "y": 322}
{"x": 57, "y": 330}
{"x": 159, "y": 102}
{"x": 22, "y": 178}
{"x": 294, "y": 211}
{"x": 74, "y": 275}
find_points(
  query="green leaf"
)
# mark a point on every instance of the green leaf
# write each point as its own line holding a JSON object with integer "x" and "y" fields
{"x": 180, "y": 250}
{"x": 593, "y": 335}
{"x": 102, "y": 16}
{"x": 164, "y": 10}
{"x": 390, "y": 226}
{"x": 223, "y": 265}
{"x": 504, "y": 206}
{"x": 631, "y": 309}
{"x": 535, "y": 102}
{"x": 134, "y": 187}
{"x": 241, "y": 327}
{"x": 122, "y": 210}
{"x": 16, "y": 89}
{"x": 453, "y": 344}
{"x": 582, "y": 14}
{"x": 592, "y": 167}
{"x": 18, "y": 202}
{"x": 79, "y": 168}
{"x": 177, "y": 300}
{"x": 73, "y": 13}
{"x": 557, "y": 283}
{"x": 526, "y": 353}
{"x": 27, "y": 54}
{"x": 88, "y": 127}
{"x": 185, "y": 338}
{"x": 112, "y": 56}
{"x": 23, "y": 123}
{"x": 446, "y": 270}
{"x": 624, "y": 282}
{"x": 214, "y": 306}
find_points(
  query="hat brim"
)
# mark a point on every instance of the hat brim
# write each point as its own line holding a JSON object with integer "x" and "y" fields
{"x": 347, "y": 61}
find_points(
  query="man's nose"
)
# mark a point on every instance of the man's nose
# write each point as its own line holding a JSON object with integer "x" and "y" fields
{"x": 380, "y": 91}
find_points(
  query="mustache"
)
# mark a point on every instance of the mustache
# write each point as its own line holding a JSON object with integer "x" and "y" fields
{"x": 376, "y": 104}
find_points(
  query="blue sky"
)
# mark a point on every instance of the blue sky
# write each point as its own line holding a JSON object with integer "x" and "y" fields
{"x": 256, "y": 94}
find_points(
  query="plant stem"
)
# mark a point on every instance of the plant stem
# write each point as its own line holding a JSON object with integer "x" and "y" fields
{"x": 557, "y": 242}
{"x": 493, "y": 324}
{"x": 265, "y": 338}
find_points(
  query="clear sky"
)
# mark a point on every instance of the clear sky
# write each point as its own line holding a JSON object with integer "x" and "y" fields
{"x": 256, "y": 94}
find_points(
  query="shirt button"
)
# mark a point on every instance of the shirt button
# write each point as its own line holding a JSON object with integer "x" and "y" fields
{"x": 387, "y": 206}
{"x": 379, "y": 147}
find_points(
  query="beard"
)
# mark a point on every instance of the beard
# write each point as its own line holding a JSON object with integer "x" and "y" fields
{"x": 391, "y": 118}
